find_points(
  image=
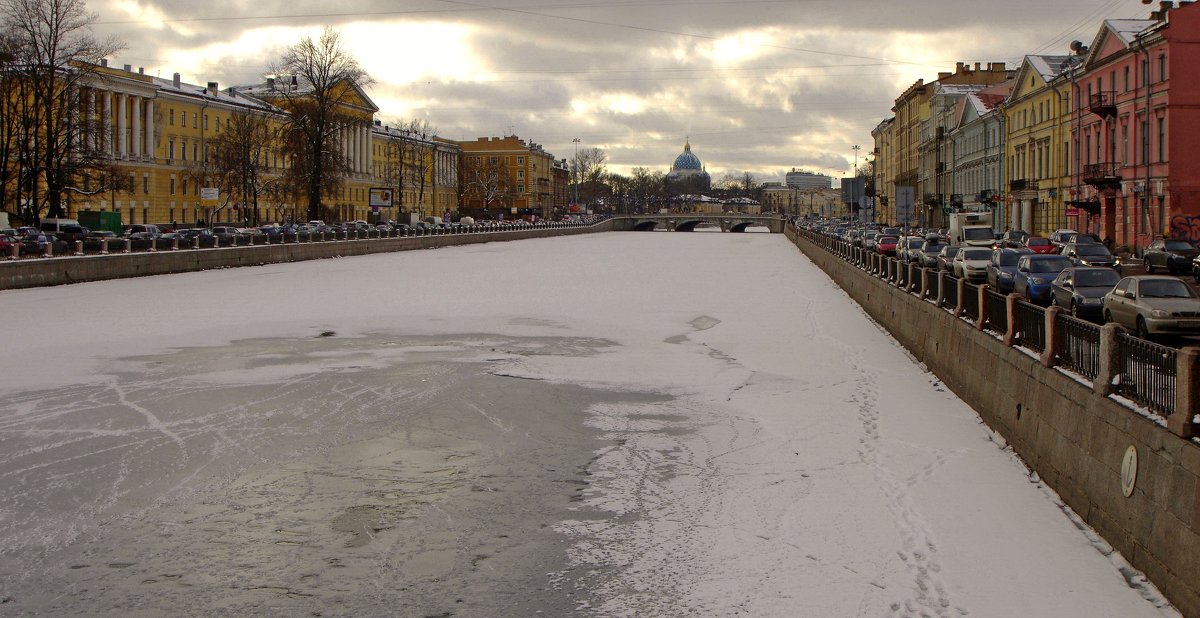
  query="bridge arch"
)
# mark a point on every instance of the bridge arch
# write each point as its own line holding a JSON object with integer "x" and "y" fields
{"x": 645, "y": 226}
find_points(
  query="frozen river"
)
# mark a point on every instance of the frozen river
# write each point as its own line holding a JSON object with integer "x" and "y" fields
{"x": 661, "y": 424}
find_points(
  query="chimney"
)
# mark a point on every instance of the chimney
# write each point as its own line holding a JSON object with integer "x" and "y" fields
{"x": 294, "y": 83}
{"x": 943, "y": 75}
{"x": 141, "y": 70}
{"x": 104, "y": 62}
{"x": 378, "y": 123}
{"x": 129, "y": 68}
{"x": 959, "y": 67}
{"x": 271, "y": 83}
{"x": 175, "y": 80}
{"x": 976, "y": 66}
{"x": 212, "y": 88}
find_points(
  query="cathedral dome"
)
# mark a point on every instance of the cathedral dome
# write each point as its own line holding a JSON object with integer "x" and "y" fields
{"x": 686, "y": 160}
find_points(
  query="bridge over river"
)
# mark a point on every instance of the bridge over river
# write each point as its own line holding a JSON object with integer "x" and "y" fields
{"x": 688, "y": 222}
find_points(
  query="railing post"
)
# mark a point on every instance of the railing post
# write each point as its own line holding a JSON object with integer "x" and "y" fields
{"x": 175, "y": 244}
{"x": 153, "y": 245}
{"x": 981, "y": 303}
{"x": 1049, "y": 358}
{"x": 911, "y": 283}
{"x": 128, "y": 246}
{"x": 79, "y": 247}
{"x": 941, "y": 299}
{"x": 196, "y": 241}
{"x": 1103, "y": 384}
{"x": 960, "y": 308}
{"x": 1187, "y": 393}
{"x": 1010, "y": 307}
{"x": 103, "y": 246}
{"x": 48, "y": 250}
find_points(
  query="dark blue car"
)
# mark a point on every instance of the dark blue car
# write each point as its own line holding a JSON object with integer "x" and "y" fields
{"x": 1034, "y": 275}
{"x": 1002, "y": 270}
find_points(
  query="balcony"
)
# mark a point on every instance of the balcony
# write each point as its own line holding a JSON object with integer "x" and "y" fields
{"x": 1102, "y": 175}
{"x": 1103, "y": 103}
{"x": 931, "y": 199}
{"x": 1022, "y": 184}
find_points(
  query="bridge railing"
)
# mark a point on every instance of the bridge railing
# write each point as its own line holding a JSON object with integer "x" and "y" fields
{"x": 1144, "y": 372}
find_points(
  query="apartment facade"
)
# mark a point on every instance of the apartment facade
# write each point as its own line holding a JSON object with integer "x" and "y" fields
{"x": 507, "y": 175}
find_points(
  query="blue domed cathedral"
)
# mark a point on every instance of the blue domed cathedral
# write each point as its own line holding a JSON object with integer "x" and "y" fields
{"x": 687, "y": 175}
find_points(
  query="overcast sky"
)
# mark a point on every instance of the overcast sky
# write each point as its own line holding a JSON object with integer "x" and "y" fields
{"x": 758, "y": 85}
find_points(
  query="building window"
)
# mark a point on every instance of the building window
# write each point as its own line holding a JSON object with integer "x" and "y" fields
{"x": 1162, "y": 68}
{"x": 218, "y": 121}
{"x": 171, "y": 149}
{"x": 520, "y": 160}
{"x": 520, "y": 188}
{"x": 1162, "y": 140}
{"x": 183, "y": 151}
{"x": 520, "y": 173}
{"x": 195, "y": 118}
{"x": 1126, "y": 78}
{"x": 172, "y": 117}
{"x": 195, "y": 151}
{"x": 206, "y": 122}
{"x": 146, "y": 185}
{"x": 172, "y": 185}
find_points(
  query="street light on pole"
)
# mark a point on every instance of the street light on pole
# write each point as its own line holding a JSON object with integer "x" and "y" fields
{"x": 575, "y": 168}
{"x": 854, "y": 181}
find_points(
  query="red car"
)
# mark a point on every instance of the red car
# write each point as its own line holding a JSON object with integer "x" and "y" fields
{"x": 1038, "y": 244}
{"x": 886, "y": 245}
{"x": 6, "y": 244}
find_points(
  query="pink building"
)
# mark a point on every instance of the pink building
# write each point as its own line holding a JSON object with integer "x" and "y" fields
{"x": 1138, "y": 94}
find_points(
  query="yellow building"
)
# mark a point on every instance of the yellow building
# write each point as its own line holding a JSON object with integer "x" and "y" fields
{"x": 420, "y": 170}
{"x": 884, "y": 135}
{"x": 506, "y": 174}
{"x": 156, "y": 133}
{"x": 1037, "y": 146}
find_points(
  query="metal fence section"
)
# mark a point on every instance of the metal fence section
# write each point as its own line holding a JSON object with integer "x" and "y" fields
{"x": 950, "y": 298}
{"x": 1031, "y": 326}
{"x": 1077, "y": 346}
{"x": 1146, "y": 373}
{"x": 970, "y": 300}
{"x": 996, "y": 310}
{"x": 931, "y": 282}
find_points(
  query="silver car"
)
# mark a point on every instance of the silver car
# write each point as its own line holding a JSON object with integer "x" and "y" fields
{"x": 971, "y": 263}
{"x": 1153, "y": 305}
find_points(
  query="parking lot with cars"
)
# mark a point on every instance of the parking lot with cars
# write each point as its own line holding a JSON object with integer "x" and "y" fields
{"x": 1155, "y": 297}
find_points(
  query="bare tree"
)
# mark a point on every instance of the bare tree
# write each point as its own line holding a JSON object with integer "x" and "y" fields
{"x": 484, "y": 179}
{"x": 409, "y": 156}
{"x": 239, "y": 157}
{"x": 56, "y": 56}
{"x": 320, "y": 80}
{"x": 646, "y": 188}
{"x": 588, "y": 172}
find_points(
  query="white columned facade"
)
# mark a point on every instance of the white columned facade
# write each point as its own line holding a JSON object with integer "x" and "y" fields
{"x": 137, "y": 126}
{"x": 122, "y": 133}
{"x": 370, "y": 152}
{"x": 107, "y": 132}
{"x": 149, "y": 128}
{"x": 93, "y": 113}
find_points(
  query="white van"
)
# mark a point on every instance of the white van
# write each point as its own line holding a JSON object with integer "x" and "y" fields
{"x": 55, "y": 226}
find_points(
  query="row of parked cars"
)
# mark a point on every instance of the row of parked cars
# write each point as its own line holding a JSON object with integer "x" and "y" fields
{"x": 61, "y": 237}
{"x": 1070, "y": 270}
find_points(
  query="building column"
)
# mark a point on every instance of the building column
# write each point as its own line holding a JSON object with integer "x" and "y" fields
{"x": 107, "y": 133}
{"x": 149, "y": 129}
{"x": 136, "y": 149}
{"x": 122, "y": 136}
{"x": 94, "y": 116}
{"x": 370, "y": 153}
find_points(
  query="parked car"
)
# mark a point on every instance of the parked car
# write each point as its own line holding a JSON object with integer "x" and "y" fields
{"x": 971, "y": 263}
{"x": 1035, "y": 274}
{"x": 7, "y": 242}
{"x": 188, "y": 237}
{"x": 930, "y": 251}
{"x": 945, "y": 258}
{"x": 1091, "y": 254}
{"x": 228, "y": 235}
{"x": 1170, "y": 255}
{"x": 909, "y": 249}
{"x": 1083, "y": 238}
{"x": 1059, "y": 238}
{"x": 869, "y": 241}
{"x": 72, "y": 233}
{"x": 1012, "y": 239}
{"x": 887, "y": 245}
{"x": 1196, "y": 268}
{"x": 1040, "y": 245}
{"x": 1081, "y": 290}
{"x": 1002, "y": 269}
{"x": 98, "y": 239}
{"x": 1153, "y": 305}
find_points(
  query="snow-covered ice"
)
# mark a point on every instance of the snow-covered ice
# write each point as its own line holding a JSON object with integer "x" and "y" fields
{"x": 763, "y": 448}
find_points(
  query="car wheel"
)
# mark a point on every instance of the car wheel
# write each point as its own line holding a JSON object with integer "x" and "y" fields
{"x": 1196, "y": 274}
{"x": 1149, "y": 267}
{"x": 1142, "y": 332}
{"x": 1074, "y": 310}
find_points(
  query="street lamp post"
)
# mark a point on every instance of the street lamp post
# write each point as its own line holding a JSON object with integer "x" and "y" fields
{"x": 575, "y": 168}
{"x": 854, "y": 180}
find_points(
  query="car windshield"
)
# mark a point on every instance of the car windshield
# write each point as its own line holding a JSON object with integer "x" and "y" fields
{"x": 1178, "y": 245}
{"x": 1052, "y": 265}
{"x": 1165, "y": 288}
{"x": 952, "y": 251}
{"x": 1091, "y": 250}
{"x": 979, "y": 233}
{"x": 932, "y": 248}
{"x": 977, "y": 254}
{"x": 915, "y": 243}
{"x": 1037, "y": 242}
{"x": 1009, "y": 259}
{"x": 1096, "y": 278}
{"x": 887, "y": 240}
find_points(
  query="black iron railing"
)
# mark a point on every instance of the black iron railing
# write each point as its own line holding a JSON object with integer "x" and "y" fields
{"x": 1078, "y": 346}
{"x": 1146, "y": 373}
{"x": 950, "y": 298}
{"x": 931, "y": 283}
{"x": 996, "y": 310}
{"x": 970, "y": 301}
{"x": 1031, "y": 326}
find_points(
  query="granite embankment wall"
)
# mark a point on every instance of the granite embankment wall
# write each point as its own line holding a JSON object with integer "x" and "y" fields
{"x": 36, "y": 272}
{"x": 1074, "y": 439}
